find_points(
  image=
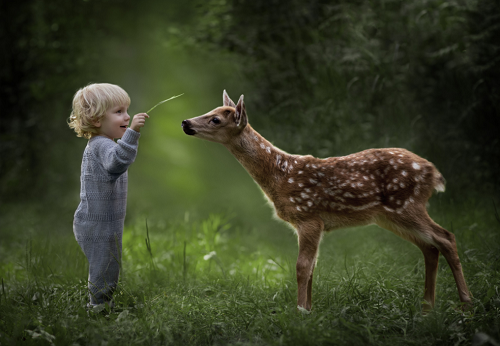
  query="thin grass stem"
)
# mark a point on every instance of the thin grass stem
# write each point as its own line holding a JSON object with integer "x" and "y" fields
{"x": 159, "y": 103}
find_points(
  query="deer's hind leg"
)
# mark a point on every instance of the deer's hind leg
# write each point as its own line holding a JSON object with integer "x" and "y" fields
{"x": 446, "y": 244}
{"x": 431, "y": 260}
{"x": 309, "y": 233}
{"x": 431, "y": 239}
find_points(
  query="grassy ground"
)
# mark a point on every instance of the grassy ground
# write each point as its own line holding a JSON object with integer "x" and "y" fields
{"x": 217, "y": 280}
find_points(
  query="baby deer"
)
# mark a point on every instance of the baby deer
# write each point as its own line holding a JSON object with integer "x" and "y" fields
{"x": 388, "y": 187}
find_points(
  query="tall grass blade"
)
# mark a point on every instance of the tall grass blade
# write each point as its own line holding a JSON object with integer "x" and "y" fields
{"x": 159, "y": 103}
{"x": 184, "y": 268}
{"x": 497, "y": 216}
{"x": 3, "y": 292}
{"x": 148, "y": 245}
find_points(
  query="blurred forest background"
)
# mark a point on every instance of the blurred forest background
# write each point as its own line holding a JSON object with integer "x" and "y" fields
{"x": 320, "y": 77}
{"x": 326, "y": 78}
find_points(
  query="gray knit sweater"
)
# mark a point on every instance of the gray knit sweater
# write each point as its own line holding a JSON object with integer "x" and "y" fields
{"x": 101, "y": 213}
{"x": 98, "y": 222}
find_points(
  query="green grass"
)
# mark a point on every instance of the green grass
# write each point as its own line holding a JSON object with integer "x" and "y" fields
{"x": 215, "y": 280}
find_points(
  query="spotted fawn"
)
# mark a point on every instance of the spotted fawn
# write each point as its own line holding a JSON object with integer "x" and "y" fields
{"x": 387, "y": 187}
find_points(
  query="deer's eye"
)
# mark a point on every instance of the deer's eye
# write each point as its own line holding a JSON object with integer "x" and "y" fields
{"x": 216, "y": 120}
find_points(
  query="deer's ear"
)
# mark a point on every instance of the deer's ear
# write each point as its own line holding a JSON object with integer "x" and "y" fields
{"x": 240, "y": 116}
{"x": 226, "y": 100}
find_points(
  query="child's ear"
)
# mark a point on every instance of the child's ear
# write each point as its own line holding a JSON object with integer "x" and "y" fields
{"x": 97, "y": 124}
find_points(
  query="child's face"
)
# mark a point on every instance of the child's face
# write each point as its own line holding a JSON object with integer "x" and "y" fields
{"x": 114, "y": 123}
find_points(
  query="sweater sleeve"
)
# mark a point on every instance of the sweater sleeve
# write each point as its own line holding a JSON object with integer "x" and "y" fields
{"x": 116, "y": 157}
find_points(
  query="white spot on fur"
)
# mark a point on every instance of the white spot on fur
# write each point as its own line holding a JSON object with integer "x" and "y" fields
{"x": 348, "y": 194}
{"x": 313, "y": 181}
{"x": 309, "y": 203}
{"x": 402, "y": 185}
{"x": 298, "y": 208}
{"x": 290, "y": 180}
{"x": 415, "y": 165}
{"x": 404, "y": 173}
{"x": 285, "y": 165}
{"x": 291, "y": 200}
{"x": 304, "y": 195}
{"x": 300, "y": 172}
{"x": 388, "y": 209}
{"x": 268, "y": 149}
{"x": 301, "y": 185}
{"x": 262, "y": 145}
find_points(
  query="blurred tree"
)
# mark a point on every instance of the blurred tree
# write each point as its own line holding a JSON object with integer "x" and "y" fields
{"x": 43, "y": 62}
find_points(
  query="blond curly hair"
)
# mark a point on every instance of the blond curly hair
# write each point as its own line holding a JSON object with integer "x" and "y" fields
{"x": 90, "y": 105}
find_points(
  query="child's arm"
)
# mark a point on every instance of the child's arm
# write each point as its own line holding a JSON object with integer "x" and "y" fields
{"x": 117, "y": 158}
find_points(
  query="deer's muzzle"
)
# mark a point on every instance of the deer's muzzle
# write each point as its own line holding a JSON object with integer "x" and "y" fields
{"x": 186, "y": 126}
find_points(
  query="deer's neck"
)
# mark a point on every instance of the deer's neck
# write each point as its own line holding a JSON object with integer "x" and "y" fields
{"x": 267, "y": 165}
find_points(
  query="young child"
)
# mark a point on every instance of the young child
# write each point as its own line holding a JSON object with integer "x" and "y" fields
{"x": 100, "y": 114}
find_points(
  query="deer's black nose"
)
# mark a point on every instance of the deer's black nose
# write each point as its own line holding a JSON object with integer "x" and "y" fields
{"x": 186, "y": 126}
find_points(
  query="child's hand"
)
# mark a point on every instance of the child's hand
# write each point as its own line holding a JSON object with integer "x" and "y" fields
{"x": 138, "y": 121}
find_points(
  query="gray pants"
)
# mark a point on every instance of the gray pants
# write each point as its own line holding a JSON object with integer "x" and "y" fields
{"x": 104, "y": 268}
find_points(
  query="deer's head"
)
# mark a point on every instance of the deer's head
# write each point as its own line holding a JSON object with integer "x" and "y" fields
{"x": 221, "y": 124}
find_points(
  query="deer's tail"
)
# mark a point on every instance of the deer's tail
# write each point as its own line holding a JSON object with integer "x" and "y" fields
{"x": 439, "y": 182}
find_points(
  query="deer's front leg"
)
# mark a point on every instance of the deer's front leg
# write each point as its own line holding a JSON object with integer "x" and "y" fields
{"x": 309, "y": 233}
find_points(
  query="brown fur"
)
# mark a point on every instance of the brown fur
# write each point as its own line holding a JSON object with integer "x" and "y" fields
{"x": 388, "y": 187}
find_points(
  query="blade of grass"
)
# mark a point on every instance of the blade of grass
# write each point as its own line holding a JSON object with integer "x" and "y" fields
{"x": 3, "y": 291}
{"x": 159, "y": 103}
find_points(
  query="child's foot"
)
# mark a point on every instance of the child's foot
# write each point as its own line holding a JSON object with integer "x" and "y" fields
{"x": 101, "y": 309}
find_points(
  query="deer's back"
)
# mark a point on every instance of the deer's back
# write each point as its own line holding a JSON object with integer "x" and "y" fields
{"x": 353, "y": 189}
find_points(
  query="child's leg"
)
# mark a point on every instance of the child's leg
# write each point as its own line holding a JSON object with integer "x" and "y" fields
{"x": 104, "y": 268}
